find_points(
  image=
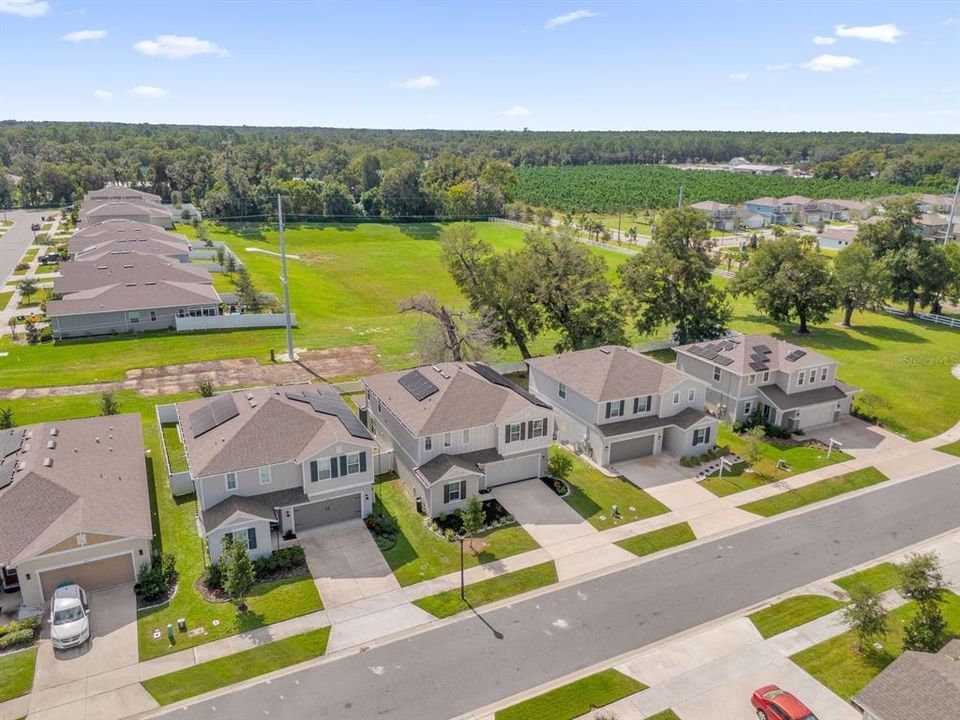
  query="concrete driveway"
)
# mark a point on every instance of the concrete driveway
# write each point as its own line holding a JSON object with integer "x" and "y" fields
{"x": 346, "y": 564}
{"x": 654, "y": 470}
{"x": 859, "y": 438}
{"x": 547, "y": 518}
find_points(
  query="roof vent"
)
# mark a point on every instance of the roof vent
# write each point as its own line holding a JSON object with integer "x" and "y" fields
{"x": 51, "y": 444}
{"x": 150, "y": 282}
{"x": 21, "y": 465}
{"x": 54, "y": 432}
{"x": 437, "y": 369}
{"x": 131, "y": 284}
{"x": 128, "y": 266}
{"x": 98, "y": 439}
{"x": 605, "y": 351}
{"x": 101, "y": 267}
{"x": 48, "y": 462}
{"x": 28, "y": 434}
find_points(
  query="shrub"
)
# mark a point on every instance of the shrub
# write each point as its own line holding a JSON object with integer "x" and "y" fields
{"x": 22, "y": 266}
{"x": 155, "y": 582}
{"x": 383, "y": 525}
{"x": 559, "y": 465}
{"x": 213, "y": 577}
{"x": 558, "y": 486}
{"x": 775, "y": 431}
{"x": 17, "y": 637}
{"x": 280, "y": 561}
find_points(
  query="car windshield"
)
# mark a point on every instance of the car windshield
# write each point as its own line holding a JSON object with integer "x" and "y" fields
{"x": 811, "y": 716}
{"x": 67, "y": 615}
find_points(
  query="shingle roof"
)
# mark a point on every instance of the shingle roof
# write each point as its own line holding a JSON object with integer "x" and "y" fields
{"x": 915, "y": 686}
{"x": 261, "y": 506}
{"x": 433, "y": 471}
{"x": 835, "y": 233}
{"x": 776, "y": 359}
{"x": 118, "y": 192}
{"x": 801, "y": 399}
{"x": 140, "y": 296}
{"x": 685, "y": 419}
{"x": 273, "y": 429}
{"x": 115, "y": 248}
{"x": 609, "y": 373}
{"x": 119, "y": 229}
{"x": 763, "y": 201}
{"x": 124, "y": 208}
{"x": 96, "y": 482}
{"x": 795, "y": 200}
{"x": 711, "y": 206}
{"x": 130, "y": 268}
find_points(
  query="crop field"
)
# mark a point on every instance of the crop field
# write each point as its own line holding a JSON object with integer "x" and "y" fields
{"x": 609, "y": 188}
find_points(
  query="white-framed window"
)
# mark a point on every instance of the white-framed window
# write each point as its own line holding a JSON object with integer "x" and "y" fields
{"x": 539, "y": 428}
{"x": 453, "y": 491}
{"x": 813, "y": 376}
{"x": 642, "y": 404}
{"x": 513, "y": 432}
{"x": 153, "y": 316}
{"x": 801, "y": 377}
{"x": 823, "y": 374}
{"x": 676, "y": 397}
{"x": 615, "y": 408}
{"x": 353, "y": 463}
{"x": 266, "y": 475}
{"x": 766, "y": 376}
{"x": 210, "y": 312}
{"x": 691, "y": 395}
{"x": 231, "y": 481}
{"x": 752, "y": 380}
{"x": 247, "y": 536}
{"x": 320, "y": 470}
{"x": 717, "y": 372}
{"x": 466, "y": 435}
{"x": 561, "y": 390}
{"x": 447, "y": 439}
{"x": 701, "y": 436}
{"x": 133, "y": 316}
{"x": 428, "y": 443}
{"x": 748, "y": 407}
{"x": 181, "y": 312}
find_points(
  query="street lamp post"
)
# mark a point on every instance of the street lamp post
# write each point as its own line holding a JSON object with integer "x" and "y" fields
{"x": 461, "y": 536}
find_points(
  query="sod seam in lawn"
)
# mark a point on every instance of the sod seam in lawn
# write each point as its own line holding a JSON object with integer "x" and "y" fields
{"x": 574, "y": 699}
{"x": 17, "y": 670}
{"x": 241, "y": 666}
{"x": 878, "y": 578}
{"x": 657, "y": 540}
{"x": 815, "y": 492}
{"x": 449, "y": 603}
{"x": 792, "y": 612}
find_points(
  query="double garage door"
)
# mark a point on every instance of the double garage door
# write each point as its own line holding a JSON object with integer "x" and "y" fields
{"x": 91, "y": 575}
{"x": 629, "y": 449}
{"x": 326, "y": 512}
{"x": 512, "y": 470}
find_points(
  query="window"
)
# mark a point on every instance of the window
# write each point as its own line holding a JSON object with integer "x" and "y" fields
{"x": 823, "y": 374}
{"x": 153, "y": 316}
{"x": 766, "y": 376}
{"x": 466, "y": 436}
{"x": 538, "y": 428}
{"x": 231, "y": 481}
{"x": 353, "y": 463}
{"x": 134, "y": 316}
{"x": 513, "y": 432}
{"x": 447, "y": 439}
{"x": 181, "y": 312}
{"x": 266, "y": 476}
{"x": 615, "y": 408}
{"x": 813, "y": 376}
{"x": 691, "y": 395}
{"x": 641, "y": 404}
{"x": 716, "y": 372}
{"x": 319, "y": 470}
{"x": 676, "y": 397}
{"x": 747, "y": 407}
{"x": 453, "y": 491}
{"x": 701, "y": 436}
{"x": 800, "y": 377}
{"x": 561, "y": 390}
{"x": 752, "y": 380}
{"x": 209, "y": 312}
{"x": 246, "y": 537}
{"x": 428, "y": 443}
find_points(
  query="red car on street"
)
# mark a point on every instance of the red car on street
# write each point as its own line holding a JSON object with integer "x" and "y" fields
{"x": 772, "y": 703}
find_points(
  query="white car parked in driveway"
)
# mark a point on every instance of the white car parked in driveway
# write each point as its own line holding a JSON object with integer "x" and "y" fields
{"x": 69, "y": 617}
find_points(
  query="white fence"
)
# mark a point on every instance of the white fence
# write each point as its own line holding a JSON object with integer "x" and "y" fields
{"x": 383, "y": 462}
{"x": 929, "y": 317}
{"x": 232, "y": 322}
{"x": 180, "y": 482}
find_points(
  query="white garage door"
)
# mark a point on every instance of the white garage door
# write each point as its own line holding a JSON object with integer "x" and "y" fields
{"x": 817, "y": 415}
{"x": 326, "y": 512}
{"x": 629, "y": 449}
{"x": 507, "y": 471}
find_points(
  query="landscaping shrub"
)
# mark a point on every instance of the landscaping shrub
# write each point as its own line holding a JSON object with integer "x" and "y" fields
{"x": 775, "y": 431}
{"x": 19, "y": 632}
{"x": 281, "y": 561}
{"x": 213, "y": 577}
{"x": 558, "y": 486}
{"x": 22, "y": 266}
{"x": 155, "y": 582}
{"x": 384, "y": 529}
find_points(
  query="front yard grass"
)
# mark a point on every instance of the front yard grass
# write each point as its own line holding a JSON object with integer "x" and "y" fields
{"x": 449, "y": 603}
{"x": 799, "y": 458}
{"x": 5, "y": 298}
{"x": 657, "y": 540}
{"x": 878, "y": 578}
{"x": 837, "y": 664}
{"x": 17, "y": 669}
{"x": 815, "y": 492}
{"x": 175, "y": 451}
{"x": 47, "y": 269}
{"x": 575, "y": 699}
{"x": 244, "y": 665}
{"x": 593, "y": 495}
{"x": 793, "y": 612}
{"x": 951, "y": 449}
{"x": 421, "y": 555}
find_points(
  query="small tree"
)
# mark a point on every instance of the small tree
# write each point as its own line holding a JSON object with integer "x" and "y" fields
{"x": 221, "y": 257}
{"x": 12, "y": 322}
{"x": 108, "y": 404}
{"x": 921, "y": 580}
{"x": 28, "y": 288}
{"x": 559, "y": 465}
{"x": 205, "y": 387}
{"x": 231, "y": 266}
{"x": 33, "y": 333}
{"x": 753, "y": 440}
{"x": 473, "y": 517}
{"x": 236, "y": 569}
{"x": 6, "y": 418}
{"x": 866, "y": 616}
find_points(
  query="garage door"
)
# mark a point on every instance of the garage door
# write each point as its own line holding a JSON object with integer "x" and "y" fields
{"x": 326, "y": 512}
{"x": 628, "y": 449}
{"x": 91, "y": 575}
{"x": 818, "y": 415}
{"x": 506, "y": 471}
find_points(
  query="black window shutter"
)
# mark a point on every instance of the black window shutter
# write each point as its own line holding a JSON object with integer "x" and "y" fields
{"x": 506, "y": 433}
{"x": 523, "y": 431}
{"x": 621, "y": 408}
{"x": 334, "y": 469}
{"x": 252, "y": 538}
{"x": 706, "y": 435}
{"x": 530, "y": 428}
{"x": 314, "y": 471}
{"x": 343, "y": 464}
{"x": 608, "y": 409}
{"x": 363, "y": 462}
{"x": 545, "y": 427}
{"x": 446, "y": 494}
{"x": 463, "y": 489}
{"x": 636, "y": 405}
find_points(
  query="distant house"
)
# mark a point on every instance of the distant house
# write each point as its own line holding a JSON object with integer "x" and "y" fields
{"x": 791, "y": 387}
{"x": 86, "y": 250}
{"x": 721, "y": 215}
{"x": 272, "y": 461}
{"x": 742, "y": 165}
{"x": 749, "y": 219}
{"x": 933, "y": 227}
{"x": 768, "y": 208}
{"x": 915, "y": 686}
{"x": 833, "y": 238}
{"x": 119, "y": 192}
{"x": 619, "y": 404}
{"x": 933, "y": 203}
{"x": 133, "y": 267}
{"x": 844, "y": 209}
{"x": 457, "y": 429}
{"x": 120, "y": 229}
{"x": 126, "y": 210}
{"x": 799, "y": 209}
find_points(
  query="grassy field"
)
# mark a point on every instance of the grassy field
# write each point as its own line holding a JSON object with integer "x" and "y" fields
{"x": 421, "y": 555}
{"x": 244, "y": 665}
{"x": 17, "y": 670}
{"x": 657, "y": 540}
{"x": 878, "y": 578}
{"x": 575, "y": 699}
{"x": 815, "y": 492}
{"x": 792, "y": 612}
{"x": 593, "y": 494}
{"x": 449, "y": 603}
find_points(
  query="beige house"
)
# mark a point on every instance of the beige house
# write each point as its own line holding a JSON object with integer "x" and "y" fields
{"x": 721, "y": 215}
{"x": 74, "y": 504}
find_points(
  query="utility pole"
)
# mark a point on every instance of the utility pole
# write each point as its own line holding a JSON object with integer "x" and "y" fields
{"x": 283, "y": 280}
{"x": 953, "y": 211}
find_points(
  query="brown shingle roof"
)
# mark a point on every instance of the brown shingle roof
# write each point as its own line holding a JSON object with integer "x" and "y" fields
{"x": 130, "y": 268}
{"x": 107, "y": 248}
{"x": 776, "y": 359}
{"x": 97, "y": 482}
{"x": 915, "y": 686}
{"x": 124, "y": 208}
{"x": 140, "y": 296}
{"x": 711, "y": 206}
{"x": 120, "y": 229}
{"x": 118, "y": 192}
{"x": 805, "y": 398}
{"x": 261, "y": 506}
{"x": 685, "y": 419}
{"x": 434, "y": 470}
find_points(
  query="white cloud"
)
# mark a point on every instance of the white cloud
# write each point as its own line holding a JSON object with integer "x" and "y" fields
{"x": 418, "y": 83}
{"x": 823, "y": 40}
{"x": 85, "y": 35}
{"x": 943, "y": 113}
{"x": 103, "y": 95}
{"x": 887, "y": 33}
{"x": 738, "y": 76}
{"x": 178, "y": 47}
{"x": 829, "y": 63}
{"x": 779, "y": 66}
{"x": 950, "y": 21}
{"x": 25, "y": 8}
{"x": 570, "y": 17}
{"x": 517, "y": 111}
{"x": 148, "y": 91}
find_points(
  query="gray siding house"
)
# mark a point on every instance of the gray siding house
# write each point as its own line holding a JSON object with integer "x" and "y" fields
{"x": 145, "y": 212}
{"x": 791, "y": 387}
{"x": 616, "y": 404}
{"x": 275, "y": 461}
{"x": 457, "y": 429}
{"x": 720, "y": 215}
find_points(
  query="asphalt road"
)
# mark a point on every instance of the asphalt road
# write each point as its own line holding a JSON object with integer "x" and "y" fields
{"x": 16, "y": 240}
{"x": 464, "y": 666}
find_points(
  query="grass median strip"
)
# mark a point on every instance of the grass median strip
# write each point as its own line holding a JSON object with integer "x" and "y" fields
{"x": 878, "y": 578}
{"x": 656, "y": 540}
{"x": 16, "y": 669}
{"x": 449, "y": 603}
{"x": 575, "y": 699}
{"x": 815, "y": 492}
{"x": 951, "y": 448}
{"x": 792, "y": 612}
{"x": 231, "y": 669}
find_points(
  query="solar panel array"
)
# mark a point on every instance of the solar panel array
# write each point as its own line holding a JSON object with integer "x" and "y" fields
{"x": 331, "y": 404}
{"x": 762, "y": 349}
{"x": 6, "y": 473}
{"x": 758, "y": 367}
{"x": 213, "y": 414}
{"x": 723, "y": 360}
{"x": 417, "y": 385}
{"x": 757, "y": 357}
{"x": 10, "y": 442}
{"x": 796, "y": 355}
{"x": 488, "y": 373}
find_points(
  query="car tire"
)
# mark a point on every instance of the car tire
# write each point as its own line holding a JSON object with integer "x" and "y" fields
{"x": 761, "y": 715}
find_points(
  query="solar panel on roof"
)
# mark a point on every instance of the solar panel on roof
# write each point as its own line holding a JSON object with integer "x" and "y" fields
{"x": 6, "y": 474}
{"x": 213, "y": 414}
{"x": 757, "y": 367}
{"x": 488, "y": 373}
{"x": 724, "y": 360}
{"x": 695, "y": 349}
{"x": 727, "y": 345}
{"x": 708, "y": 354}
{"x": 735, "y": 341}
{"x": 757, "y": 357}
{"x": 710, "y": 347}
{"x": 796, "y": 355}
{"x": 762, "y": 349}
{"x": 331, "y": 404}
{"x": 417, "y": 385}
{"x": 10, "y": 442}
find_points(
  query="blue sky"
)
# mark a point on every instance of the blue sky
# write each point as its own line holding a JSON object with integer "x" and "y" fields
{"x": 543, "y": 65}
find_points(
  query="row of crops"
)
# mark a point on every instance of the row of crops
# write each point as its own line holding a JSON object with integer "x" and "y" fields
{"x": 608, "y": 188}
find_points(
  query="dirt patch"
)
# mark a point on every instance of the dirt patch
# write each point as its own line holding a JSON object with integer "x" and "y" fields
{"x": 315, "y": 258}
{"x": 353, "y": 361}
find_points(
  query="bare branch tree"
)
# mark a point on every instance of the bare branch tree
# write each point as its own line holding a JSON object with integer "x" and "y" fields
{"x": 454, "y": 335}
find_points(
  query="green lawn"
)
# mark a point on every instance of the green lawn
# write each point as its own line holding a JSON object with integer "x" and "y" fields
{"x": 593, "y": 494}
{"x": 667, "y": 356}
{"x": 47, "y": 269}
{"x": 837, "y": 664}
{"x": 575, "y": 699}
{"x": 5, "y": 298}
{"x": 951, "y": 449}
{"x": 421, "y": 555}
{"x": 16, "y": 669}
{"x": 175, "y": 450}
{"x": 815, "y": 492}
{"x": 244, "y": 665}
{"x": 793, "y": 612}
{"x": 664, "y": 715}
{"x": 878, "y": 578}
{"x": 657, "y": 540}
{"x": 799, "y": 459}
{"x": 449, "y": 603}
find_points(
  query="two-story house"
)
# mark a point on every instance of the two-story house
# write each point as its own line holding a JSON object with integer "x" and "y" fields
{"x": 457, "y": 429}
{"x": 618, "y": 404}
{"x": 272, "y": 461}
{"x": 799, "y": 209}
{"x": 791, "y": 387}
{"x": 721, "y": 215}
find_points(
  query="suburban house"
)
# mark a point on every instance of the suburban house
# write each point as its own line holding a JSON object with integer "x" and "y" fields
{"x": 74, "y": 504}
{"x": 800, "y": 209}
{"x": 749, "y": 219}
{"x": 721, "y": 215}
{"x": 145, "y": 212}
{"x": 767, "y": 207}
{"x": 933, "y": 203}
{"x": 915, "y": 686}
{"x": 118, "y": 192}
{"x": 932, "y": 227}
{"x": 844, "y": 209}
{"x": 836, "y": 238}
{"x": 275, "y": 461}
{"x": 790, "y": 387}
{"x": 120, "y": 229}
{"x": 134, "y": 267}
{"x": 167, "y": 247}
{"x": 457, "y": 429}
{"x": 742, "y": 165}
{"x": 617, "y": 404}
